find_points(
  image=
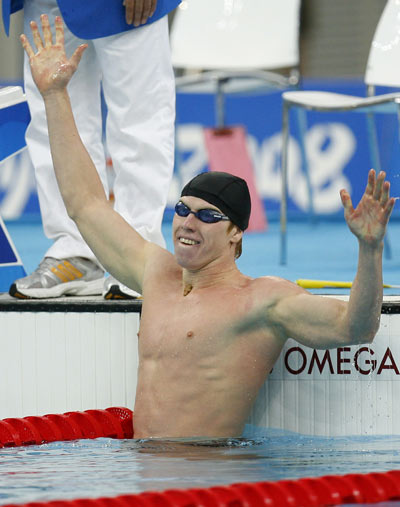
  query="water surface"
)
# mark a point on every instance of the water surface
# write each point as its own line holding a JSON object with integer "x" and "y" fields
{"x": 107, "y": 467}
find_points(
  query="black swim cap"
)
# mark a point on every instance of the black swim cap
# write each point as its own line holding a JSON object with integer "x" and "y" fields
{"x": 229, "y": 193}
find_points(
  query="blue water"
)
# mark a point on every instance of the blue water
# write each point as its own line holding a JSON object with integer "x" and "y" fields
{"x": 106, "y": 467}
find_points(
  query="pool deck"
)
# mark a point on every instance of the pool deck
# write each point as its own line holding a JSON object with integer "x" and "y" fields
{"x": 323, "y": 250}
{"x": 391, "y": 304}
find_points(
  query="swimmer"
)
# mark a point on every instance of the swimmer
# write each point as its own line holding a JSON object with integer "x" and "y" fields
{"x": 209, "y": 335}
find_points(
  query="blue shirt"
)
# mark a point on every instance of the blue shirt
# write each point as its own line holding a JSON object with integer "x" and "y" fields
{"x": 91, "y": 19}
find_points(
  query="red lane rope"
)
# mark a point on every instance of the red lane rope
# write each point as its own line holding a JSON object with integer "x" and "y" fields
{"x": 114, "y": 422}
{"x": 310, "y": 492}
{"x": 117, "y": 422}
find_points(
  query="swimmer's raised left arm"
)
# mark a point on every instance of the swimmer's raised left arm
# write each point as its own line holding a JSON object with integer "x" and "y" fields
{"x": 322, "y": 322}
{"x": 119, "y": 248}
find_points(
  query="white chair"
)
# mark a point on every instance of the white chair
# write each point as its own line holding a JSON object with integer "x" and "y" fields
{"x": 235, "y": 46}
{"x": 383, "y": 69}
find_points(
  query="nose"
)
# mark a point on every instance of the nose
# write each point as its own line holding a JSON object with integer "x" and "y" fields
{"x": 189, "y": 219}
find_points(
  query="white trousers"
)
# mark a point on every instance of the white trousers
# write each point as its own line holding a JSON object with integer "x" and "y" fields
{"x": 134, "y": 68}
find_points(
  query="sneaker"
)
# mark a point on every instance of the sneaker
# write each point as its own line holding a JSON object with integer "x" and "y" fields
{"x": 113, "y": 289}
{"x": 53, "y": 278}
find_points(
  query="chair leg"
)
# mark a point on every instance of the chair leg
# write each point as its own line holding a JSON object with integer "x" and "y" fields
{"x": 376, "y": 162}
{"x": 301, "y": 117}
{"x": 220, "y": 104}
{"x": 284, "y": 190}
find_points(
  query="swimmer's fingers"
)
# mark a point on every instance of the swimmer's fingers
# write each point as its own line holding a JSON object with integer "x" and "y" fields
{"x": 377, "y": 195}
{"x": 77, "y": 55}
{"x": 27, "y": 47}
{"x": 36, "y": 35}
{"x": 59, "y": 31}
{"x": 369, "y": 220}
{"x": 389, "y": 207}
{"x": 346, "y": 201}
{"x": 47, "y": 35}
{"x": 387, "y": 202}
{"x": 382, "y": 193}
{"x": 385, "y": 193}
{"x": 369, "y": 190}
{"x": 50, "y": 67}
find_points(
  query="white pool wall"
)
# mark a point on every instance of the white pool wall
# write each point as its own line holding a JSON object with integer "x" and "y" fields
{"x": 53, "y": 362}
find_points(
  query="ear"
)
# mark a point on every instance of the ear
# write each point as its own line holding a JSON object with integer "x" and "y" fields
{"x": 235, "y": 234}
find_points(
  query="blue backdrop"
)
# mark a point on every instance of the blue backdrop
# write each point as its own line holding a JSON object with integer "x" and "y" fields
{"x": 336, "y": 145}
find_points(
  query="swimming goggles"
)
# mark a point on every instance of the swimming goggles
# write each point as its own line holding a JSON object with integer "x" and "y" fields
{"x": 209, "y": 216}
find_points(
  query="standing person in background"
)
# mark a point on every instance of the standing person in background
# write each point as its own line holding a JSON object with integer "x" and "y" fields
{"x": 128, "y": 57}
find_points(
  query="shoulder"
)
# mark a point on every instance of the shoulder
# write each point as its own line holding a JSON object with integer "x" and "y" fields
{"x": 276, "y": 297}
{"x": 263, "y": 302}
{"x": 266, "y": 292}
{"x": 276, "y": 287}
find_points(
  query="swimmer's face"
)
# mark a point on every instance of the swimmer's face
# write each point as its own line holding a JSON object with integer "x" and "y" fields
{"x": 198, "y": 244}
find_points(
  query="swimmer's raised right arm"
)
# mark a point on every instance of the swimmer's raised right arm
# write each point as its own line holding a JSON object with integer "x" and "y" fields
{"x": 321, "y": 322}
{"x": 118, "y": 247}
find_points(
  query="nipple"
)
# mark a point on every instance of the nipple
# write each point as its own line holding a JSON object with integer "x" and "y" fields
{"x": 190, "y": 334}
{"x": 138, "y": 334}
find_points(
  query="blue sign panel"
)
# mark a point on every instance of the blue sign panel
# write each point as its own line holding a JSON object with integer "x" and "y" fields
{"x": 10, "y": 265}
{"x": 13, "y": 123}
{"x": 7, "y": 253}
{"x": 336, "y": 146}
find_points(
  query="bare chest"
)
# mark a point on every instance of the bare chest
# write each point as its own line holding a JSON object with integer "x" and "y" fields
{"x": 196, "y": 327}
{"x": 189, "y": 320}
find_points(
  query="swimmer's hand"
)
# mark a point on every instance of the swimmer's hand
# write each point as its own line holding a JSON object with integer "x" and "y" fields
{"x": 137, "y": 12}
{"x": 369, "y": 219}
{"x": 50, "y": 67}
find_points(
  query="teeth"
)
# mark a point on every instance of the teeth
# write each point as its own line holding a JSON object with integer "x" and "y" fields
{"x": 187, "y": 241}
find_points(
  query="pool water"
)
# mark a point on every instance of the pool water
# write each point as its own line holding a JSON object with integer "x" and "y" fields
{"x": 107, "y": 467}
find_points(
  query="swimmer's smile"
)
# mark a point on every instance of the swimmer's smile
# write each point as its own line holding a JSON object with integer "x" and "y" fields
{"x": 187, "y": 241}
